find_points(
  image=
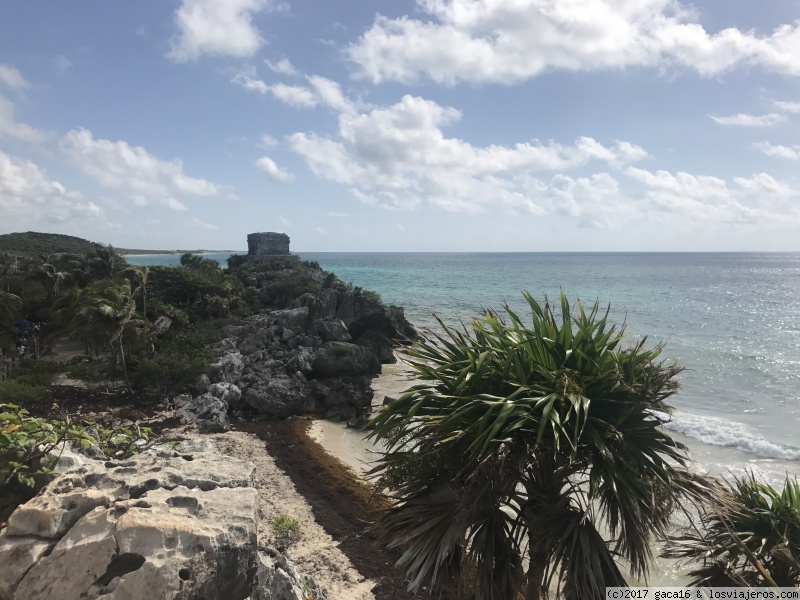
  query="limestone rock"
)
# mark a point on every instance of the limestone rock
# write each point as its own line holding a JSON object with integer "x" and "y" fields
{"x": 162, "y": 525}
{"x": 279, "y": 579}
{"x": 228, "y": 368}
{"x": 341, "y": 358}
{"x": 380, "y": 345}
{"x": 331, "y": 329}
{"x": 279, "y": 397}
{"x": 227, "y": 392}
{"x": 209, "y": 412}
{"x": 203, "y": 381}
{"x": 302, "y": 360}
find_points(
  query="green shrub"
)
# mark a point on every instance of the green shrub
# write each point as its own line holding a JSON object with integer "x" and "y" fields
{"x": 342, "y": 350}
{"x": 121, "y": 442}
{"x": 16, "y": 392}
{"x": 285, "y": 530}
{"x": 89, "y": 370}
{"x": 27, "y": 443}
{"x": 372, "y": 296}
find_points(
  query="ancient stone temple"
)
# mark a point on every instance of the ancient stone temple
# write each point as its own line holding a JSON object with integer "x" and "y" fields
{"x": 268, "y": 245}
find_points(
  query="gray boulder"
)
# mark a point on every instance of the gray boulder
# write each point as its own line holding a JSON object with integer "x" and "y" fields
{"x": 341, "y": 358}
{"x": 331, "y": 329}
{"x": 279, "y": 579}
{"x": 227, "y": 392}
{"x": 228, "y": 368}
{"x": 302, "y": 360}
{"x": 354, "y": 391}
{"x": 279, "y": 397}
{"x": 209, "y": 412}
{"x": 380, "y": 345}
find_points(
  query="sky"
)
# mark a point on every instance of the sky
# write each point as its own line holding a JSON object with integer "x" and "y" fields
{"x": 404, "y": 125}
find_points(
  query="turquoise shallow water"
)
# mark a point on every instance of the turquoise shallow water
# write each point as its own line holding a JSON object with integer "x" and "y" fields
{"x": 732, "y": 319}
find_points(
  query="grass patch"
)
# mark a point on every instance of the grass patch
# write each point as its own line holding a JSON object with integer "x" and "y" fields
{"x": 14, "y": 392}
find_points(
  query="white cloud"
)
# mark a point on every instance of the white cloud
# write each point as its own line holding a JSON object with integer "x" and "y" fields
{"x": 273, "y": 171}
{"x": 9, "y": 127}
{"x": 506, "y": 42}
{"x": 30, "y": 200}
{"x": 321, "y": 231}
{"x": 267, "y": 141}
{"x": 11, "y": 77}
{"x": 133, "y": 170}
{"x": 777, "y": 150}
{"x": 294, "y": 95}
{"x": 250, "y": 83}
{"x": 62, "y": 64}
{"x": 746, "y": 120}
{"x": 282, "y": 66}
{"x": 197, "y": 223}
{"x": 395, "y": 156}
{"x": 329, "y": 93}
{"x": 337, "y": 215}
{"x": 323, "y": 91}
{"x": 788, "y": 107}
{"x": 216, "y": 28}
{"x": 703, "y": 200}
{"x": 285, "y": 222}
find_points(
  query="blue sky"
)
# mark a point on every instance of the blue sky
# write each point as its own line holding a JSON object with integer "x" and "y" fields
{"x": 427, "y": 125}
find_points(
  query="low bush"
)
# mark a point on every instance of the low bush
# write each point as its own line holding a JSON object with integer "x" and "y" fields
{"x": 27, "y": 443}
{"x": 16, "y": 392}
{"x": 285, "y": 531}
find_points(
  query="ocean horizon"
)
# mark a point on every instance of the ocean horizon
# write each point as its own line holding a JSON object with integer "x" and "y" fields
{"x": 732, "y": 319}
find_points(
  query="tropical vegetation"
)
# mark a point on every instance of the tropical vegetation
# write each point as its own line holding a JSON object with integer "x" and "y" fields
{"x": 531, "y": 456}
{"x": 748, "y": 535}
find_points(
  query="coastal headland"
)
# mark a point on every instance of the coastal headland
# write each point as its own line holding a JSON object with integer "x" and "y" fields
{"x": 274, "y": 342}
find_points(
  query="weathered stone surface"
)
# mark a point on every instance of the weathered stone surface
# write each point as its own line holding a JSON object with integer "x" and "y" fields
{"x": 279, "y": 579}
{"x": 208, "y": 411}
{"x": 341, "y": 358}
{"x": 302, "y": 360}
{"x": 228, "y": 368}
{"x": 354, "y": 390}
{"x": 203, "y": 382}
{"x": 380, "y": 345}
{"x": 331, "y": 329}
{"x": 227, "y": 392}
{"x": 164, "y": 525}
{"x": 279, "y": 397}
{"x": 267, "y": 244}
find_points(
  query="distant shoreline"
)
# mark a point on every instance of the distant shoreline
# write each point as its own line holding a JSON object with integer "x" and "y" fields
{"x": 176, "y": 252}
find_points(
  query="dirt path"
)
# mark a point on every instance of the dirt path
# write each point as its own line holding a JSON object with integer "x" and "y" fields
{"x": 340, "y": 502}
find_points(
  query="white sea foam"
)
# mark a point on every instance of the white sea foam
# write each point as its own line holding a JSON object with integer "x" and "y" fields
{"x": 729, "y": 434}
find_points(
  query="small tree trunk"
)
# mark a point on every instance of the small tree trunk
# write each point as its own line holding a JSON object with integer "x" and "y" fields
{"x": 536, "y": 577}
{"x": 124, "y": 366}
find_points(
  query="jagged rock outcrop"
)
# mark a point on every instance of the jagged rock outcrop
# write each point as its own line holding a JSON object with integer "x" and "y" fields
{"x": 168, "y": 524}
{"x": 310, "y": 351}
{"x": 279, "y": 579}
{"x": 209, "y": 410}
{"x": 172, "y": 524}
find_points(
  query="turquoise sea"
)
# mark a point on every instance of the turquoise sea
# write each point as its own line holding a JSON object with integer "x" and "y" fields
{"x": 733, "y": 320}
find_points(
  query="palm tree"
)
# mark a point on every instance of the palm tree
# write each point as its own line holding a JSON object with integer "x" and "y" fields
{"x": 137, "y": 275}
{"x": 105, "y": 313}
{"x": 50, "y": 274}
{"x": 531, "y": 456}
{"x": 106, "y": 263}
{"x": 748, "y": 536}
{"x": 8, "y": 266}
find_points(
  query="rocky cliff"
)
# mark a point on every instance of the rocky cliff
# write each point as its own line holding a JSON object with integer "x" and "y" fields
{"x": 178, "y": 523}
{"x": 314, "y": 348}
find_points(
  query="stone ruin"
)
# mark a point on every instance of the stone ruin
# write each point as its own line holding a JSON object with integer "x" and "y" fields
{"x": 268, "y": 245}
